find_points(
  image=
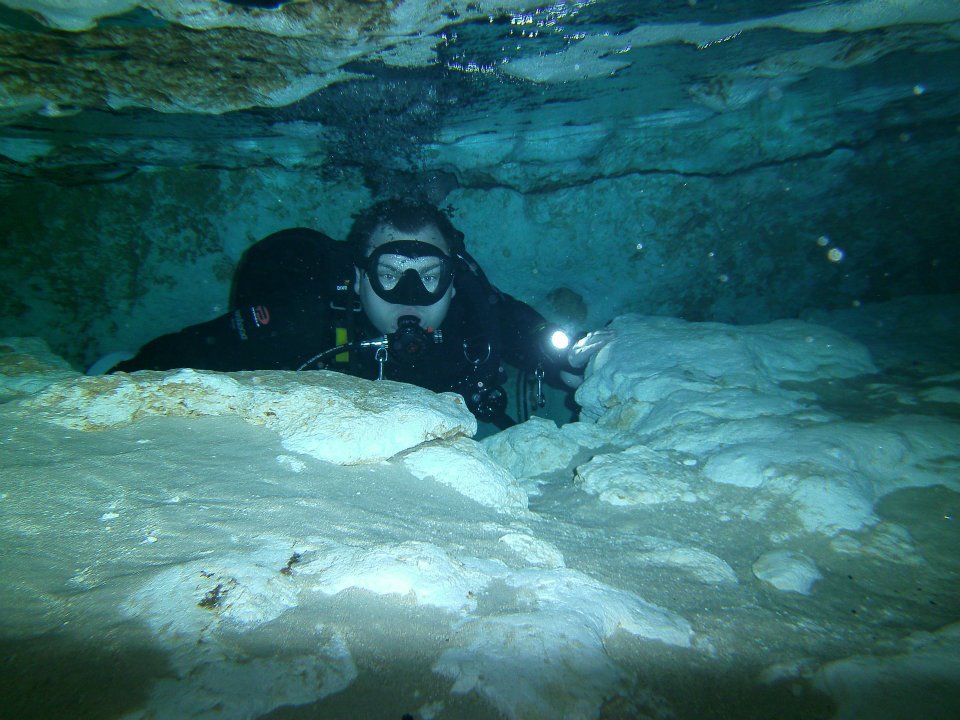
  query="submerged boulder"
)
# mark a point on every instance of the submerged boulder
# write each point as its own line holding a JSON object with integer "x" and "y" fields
{"x": 328, "y": 415}
{"x": 28, "y": 365}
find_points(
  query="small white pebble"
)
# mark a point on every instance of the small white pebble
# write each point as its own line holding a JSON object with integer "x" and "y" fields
{"x": 787, "y": 571}
{"x": 291, "y": 463}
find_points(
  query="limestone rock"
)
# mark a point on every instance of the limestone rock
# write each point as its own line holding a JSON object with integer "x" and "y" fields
{"x": 833, "y": 471}
{"x": 545, "y": 657}
{"x": 703, "y": 566}
{"x": 787, "y": 570}
{"x": 919, "y": 681}
{"x": 116, "y": 68}
{"x": 827, "y": 505}
{"x": 534, "y": 551}
{"x": 199, "y": 609}
{"x": 467, "y": 468}
{"x": 532, "y": 448}
{"x": 420, "y": 571}
{"x": 638, "y": 476}
{"x": 652, "y": 359}
{"x": 71, "y": 14}
{"x": 27, "y": 365}
{"x": 331, "y": 416}
{"x": 232, "y": 57}
{"x": 887, "y": 541}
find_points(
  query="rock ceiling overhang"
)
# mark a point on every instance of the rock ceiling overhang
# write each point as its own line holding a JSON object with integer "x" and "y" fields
{"x": 292, "y": 67}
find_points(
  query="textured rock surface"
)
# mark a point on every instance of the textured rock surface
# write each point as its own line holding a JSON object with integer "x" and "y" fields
{"x": 637, "y": 476}
{"x": 701, "y": 565}
{"x": 191, "y": 525}
{"x": 534, "y": 447}
{"x": 787, "y": 571}
{"x": 729, "y": 162}
{"x": 660, "y": 357}
{"x": 27, "y": 365}
{"x": 331, "y": 416}
{"x": 180, "y": 472}
{"x": 467, "y": 468}
{"x": 733, "y": 406}
{"x": 922, "y": 676}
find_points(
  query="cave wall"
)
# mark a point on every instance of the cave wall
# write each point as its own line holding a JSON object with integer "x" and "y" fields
{"x": 853, "y": 226}
{"x": 99, "y": 266}
{"x": 104, "y": 266}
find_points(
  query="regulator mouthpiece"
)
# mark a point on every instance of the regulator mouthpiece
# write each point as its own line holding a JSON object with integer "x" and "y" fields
{"x": 410, "y": 341}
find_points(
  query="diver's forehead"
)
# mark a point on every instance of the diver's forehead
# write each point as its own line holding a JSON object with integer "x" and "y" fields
{"x": 429, "y": 234}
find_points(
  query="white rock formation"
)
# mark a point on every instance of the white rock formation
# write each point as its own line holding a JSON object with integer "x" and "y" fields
{"x": 27, "y": 365}
{"x": 720, "y": 372}
{"x": 788, "y": 571}
{"x": 331, "y": 416}
{"x": 209, "y": 515}
{"x": 638, "y": 476}
{"x": 272, "y": 538}
{"x": 536, "y": 447}
{"x": 703, "y": 566}
{"x": 727, "y": 404}
{"x": 918, "y": 681}
{"x": 466, "y": 467}
{"x": 544, "y": 658}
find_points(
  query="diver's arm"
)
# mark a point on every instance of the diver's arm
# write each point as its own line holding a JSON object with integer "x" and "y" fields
{"x": 260, "y": 337}
{"x": 528, "y": 342}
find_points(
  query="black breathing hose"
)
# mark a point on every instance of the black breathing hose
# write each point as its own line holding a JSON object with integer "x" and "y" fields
{"x": 319, "y": 356}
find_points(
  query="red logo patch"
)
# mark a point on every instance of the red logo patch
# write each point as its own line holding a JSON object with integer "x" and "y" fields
{"x": 261, "y": 315}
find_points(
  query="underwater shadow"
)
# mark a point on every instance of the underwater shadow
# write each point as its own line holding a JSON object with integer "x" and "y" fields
{"x": 60, "y": 676}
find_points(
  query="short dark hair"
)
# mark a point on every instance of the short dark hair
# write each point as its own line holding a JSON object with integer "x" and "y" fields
{"x": 405, "y": 216}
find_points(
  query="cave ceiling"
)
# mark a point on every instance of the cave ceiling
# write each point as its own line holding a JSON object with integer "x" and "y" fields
{"x": 93, "y": 91}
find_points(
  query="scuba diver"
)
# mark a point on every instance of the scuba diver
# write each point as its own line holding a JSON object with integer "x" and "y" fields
{"x": 400, "y": 300}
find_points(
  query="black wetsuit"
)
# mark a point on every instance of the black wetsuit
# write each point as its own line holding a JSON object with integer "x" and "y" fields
{"x": 293, "y": 299}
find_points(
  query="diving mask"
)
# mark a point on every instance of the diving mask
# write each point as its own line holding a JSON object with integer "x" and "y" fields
{"x": 408, "y": 272}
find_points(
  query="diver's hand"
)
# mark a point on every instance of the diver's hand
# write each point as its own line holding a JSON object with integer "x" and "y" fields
{"x": 589, "y": 345}
{"x": 580, "y": 353}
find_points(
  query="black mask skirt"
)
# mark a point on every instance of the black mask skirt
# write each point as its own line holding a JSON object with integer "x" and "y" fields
{"x": 423, "y": 283}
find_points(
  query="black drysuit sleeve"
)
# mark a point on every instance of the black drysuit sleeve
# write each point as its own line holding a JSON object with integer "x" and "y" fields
{"x": 261, "y": 337}
{"x": 520, "y": 333}
{"x": 281, "y": 314}
{"x": 526, "y": 335}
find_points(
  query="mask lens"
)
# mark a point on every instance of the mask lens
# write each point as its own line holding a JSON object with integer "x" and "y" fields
{"x": 387, "y": 275}
{"x": 391, "y": 268}
{"x": 409, "y": 272}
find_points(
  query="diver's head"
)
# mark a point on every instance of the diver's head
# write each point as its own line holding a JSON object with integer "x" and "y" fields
{"x": 403, "y": 263}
